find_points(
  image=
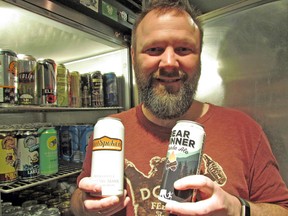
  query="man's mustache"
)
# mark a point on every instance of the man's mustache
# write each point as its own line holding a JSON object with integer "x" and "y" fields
{"x": 175, "y": 73}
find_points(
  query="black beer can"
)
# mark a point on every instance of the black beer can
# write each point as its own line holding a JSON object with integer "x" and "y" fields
{"x": 86, "y": 84}
{"x": 47, "y": 85}
{"x": 110, "y": 89}
{"x": 97, "y": 89}
{"x": 65, "y": 143}
{"x": 183, "y": 158}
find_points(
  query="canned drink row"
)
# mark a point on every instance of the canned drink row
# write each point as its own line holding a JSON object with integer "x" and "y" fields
{"x": 36, "y": 202}
{"x": 25, "y": 80}
{"x": 99, "y": 89}
{"x": 73, "y": 141}
{"x": 27, "y": 153}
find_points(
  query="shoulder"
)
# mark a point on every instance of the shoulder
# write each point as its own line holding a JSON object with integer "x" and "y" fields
{"x": 231, "y": 116}
{"x": 231, "y": 112}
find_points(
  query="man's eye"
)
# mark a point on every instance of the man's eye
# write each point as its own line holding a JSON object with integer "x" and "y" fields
{"x": 154, "y": 51}
{"x": 183, "y": 51}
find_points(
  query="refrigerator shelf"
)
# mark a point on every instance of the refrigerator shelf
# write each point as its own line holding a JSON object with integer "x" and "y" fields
{"x": 21, "y": 108}
{"x": 64, "y": 171}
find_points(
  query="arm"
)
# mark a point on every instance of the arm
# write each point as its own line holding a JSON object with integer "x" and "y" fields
{"x": 82, "y": 203}
{"x": 76, "y": 202}
{"x": 215, "y": 201}
{"x": 260, "y": 209}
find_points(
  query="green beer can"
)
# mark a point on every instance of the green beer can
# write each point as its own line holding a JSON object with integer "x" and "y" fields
{"x": 62, "y": 86}
{"x": 48, "y": 151}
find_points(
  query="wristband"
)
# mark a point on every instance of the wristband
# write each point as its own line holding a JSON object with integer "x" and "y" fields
{"x": 245, "y": 207}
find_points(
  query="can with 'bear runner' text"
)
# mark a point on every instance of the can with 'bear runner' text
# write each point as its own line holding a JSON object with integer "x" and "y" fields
{"x": 107, "y": 166}
{"x": 183, "y": 159}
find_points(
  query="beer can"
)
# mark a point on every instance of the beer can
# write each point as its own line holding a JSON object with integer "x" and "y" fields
{"x": 47, "y": 86}
{"x": 64, "y": 208}
{"x": 48, "y": 150}
{"x": 183, "y": 158}
{"x": 51, "y": 212}
{"x": 86, "y": 90}
{"x": 84, "y": 131}
{"x": 107, "y": 167}
{"x": 75, "y": 143}
{"x": 65, "y": 143}
{"x": 28, "y": 154}
{"x": 97, "y": 95}
{"x": 62, "y": 86}
{"x": 27, "y": 80}
{"x": 110, "y": 89}
{"x": 75, "y": 90}
{"x": 8, "y": 77}
{"x": 8, "y": 156}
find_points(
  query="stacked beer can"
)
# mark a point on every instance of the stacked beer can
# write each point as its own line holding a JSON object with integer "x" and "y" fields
{"x": 28, "y": 151}
{"x": 25, "y": 80}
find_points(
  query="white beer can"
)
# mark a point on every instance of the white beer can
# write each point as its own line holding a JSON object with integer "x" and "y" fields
{"x": 107, "y": 168}
{"x": 183, "y": 158}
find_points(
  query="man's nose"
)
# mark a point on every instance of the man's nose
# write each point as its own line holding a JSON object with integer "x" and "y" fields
{"x": 169, "y": 58}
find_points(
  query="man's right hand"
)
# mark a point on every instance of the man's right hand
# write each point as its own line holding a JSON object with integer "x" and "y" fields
{"x": 82, "y": 203}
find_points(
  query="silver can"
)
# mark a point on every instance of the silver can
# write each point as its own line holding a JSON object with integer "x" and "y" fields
{"x": 47, "y": 85}
{"x": 183, "y": 158}
{"x": 107, "y": 166}
{"x": 8, "y": 77}
{"x": 27, "y": 80}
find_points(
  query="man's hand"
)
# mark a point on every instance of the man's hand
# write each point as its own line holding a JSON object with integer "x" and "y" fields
{"x": 214, "y": 200}
{"x": 83, "y": 203}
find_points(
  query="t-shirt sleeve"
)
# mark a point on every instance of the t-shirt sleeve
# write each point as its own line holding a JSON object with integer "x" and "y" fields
{"x": 266, "y": 184}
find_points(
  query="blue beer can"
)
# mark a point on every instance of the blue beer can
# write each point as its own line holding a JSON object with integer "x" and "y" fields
{"x": 65, "y": 145}
{"x": 110, "y": 89}
{"x": 75, "y": 143}
{"x": 85, "y": 132}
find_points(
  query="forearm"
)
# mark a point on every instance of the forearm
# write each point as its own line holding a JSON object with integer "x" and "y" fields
{"x": 264, "y": 209}
{"x": 76, "y": 203}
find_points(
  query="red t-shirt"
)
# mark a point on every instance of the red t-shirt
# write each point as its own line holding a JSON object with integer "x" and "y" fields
{"x": 237, "y": 156}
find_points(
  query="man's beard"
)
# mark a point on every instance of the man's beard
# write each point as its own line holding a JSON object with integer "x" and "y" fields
{"x": 162, "y": 101}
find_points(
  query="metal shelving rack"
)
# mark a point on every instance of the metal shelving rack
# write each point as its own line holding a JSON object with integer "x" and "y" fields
{"x": 53, "y": 116}
{"x": 31, "y": 108}
{"x": 64, "y": 171}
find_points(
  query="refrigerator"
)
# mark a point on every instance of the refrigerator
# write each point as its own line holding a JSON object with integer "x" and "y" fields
{"x": 245, "y": 66}
{"x": 85, "y": 36}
